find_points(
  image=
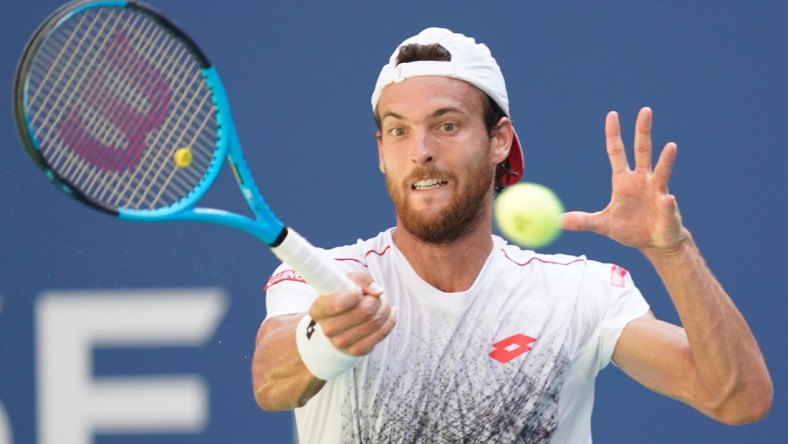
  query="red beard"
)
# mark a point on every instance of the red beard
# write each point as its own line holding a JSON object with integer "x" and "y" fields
{"x": 458, "y": 218}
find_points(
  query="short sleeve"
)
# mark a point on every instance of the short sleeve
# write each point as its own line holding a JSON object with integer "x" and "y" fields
{"x": 608, "y": 301}
{"x": 287, "y": 293}
{"x": 626, "y": 305}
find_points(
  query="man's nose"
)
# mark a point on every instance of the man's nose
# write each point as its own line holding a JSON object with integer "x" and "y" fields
{"x": 423, "y": 151}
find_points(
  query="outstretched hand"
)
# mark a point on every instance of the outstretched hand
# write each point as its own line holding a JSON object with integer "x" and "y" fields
{"x": 641, "y": 213}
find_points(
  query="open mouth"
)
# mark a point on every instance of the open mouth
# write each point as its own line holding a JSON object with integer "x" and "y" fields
{"x": 428, "y": 184}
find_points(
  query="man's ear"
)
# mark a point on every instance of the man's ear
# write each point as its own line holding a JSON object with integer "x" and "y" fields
{"x": 502, "y": 140}
{"x": 381, "y": 165}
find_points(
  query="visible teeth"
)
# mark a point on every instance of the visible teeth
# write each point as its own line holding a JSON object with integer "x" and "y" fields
{"x": 427, "y": 184}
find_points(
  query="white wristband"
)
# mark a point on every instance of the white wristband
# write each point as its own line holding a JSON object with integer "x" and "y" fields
{"x": 320, "y": 356}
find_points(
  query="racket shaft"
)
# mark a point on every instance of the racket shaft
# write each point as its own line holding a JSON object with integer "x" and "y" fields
{"x": 312, "y": 264}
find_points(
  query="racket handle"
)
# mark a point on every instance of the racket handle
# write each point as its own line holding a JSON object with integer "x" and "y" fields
{"x": 312, "y": 264}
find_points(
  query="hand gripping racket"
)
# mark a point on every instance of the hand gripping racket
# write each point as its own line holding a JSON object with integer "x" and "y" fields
{"x": 123, "y": 112}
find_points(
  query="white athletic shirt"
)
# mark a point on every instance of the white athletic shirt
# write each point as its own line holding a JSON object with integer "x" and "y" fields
{"x": 512, "y": 359}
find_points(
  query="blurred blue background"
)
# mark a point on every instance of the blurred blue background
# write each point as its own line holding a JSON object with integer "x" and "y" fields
{"x": 299, "y": 76}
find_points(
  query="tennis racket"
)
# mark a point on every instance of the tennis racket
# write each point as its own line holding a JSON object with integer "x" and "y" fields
{"x": 124, "y": 113}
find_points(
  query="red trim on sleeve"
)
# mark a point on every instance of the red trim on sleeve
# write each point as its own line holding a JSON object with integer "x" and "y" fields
{"x": 284, "y": 275}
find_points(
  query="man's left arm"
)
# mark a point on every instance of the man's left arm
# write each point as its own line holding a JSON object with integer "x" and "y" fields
{"x": 713, "y": 363}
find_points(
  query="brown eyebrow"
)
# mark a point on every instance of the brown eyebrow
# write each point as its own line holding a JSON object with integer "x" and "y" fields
{"x": 447, "y": 110}
{"x": 391, "y": 114}
{"x": 438, "y": 113}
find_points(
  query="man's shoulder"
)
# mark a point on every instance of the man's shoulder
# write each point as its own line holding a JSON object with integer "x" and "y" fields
{"x": 363, "y": 249}
{"x": 516, "y": 256}
{"x": 519, "y": 257}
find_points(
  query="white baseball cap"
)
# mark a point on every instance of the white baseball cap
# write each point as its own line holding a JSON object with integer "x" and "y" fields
{"x": 471, "y": 62}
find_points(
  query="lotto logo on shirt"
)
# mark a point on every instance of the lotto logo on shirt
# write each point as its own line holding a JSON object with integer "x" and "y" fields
{"x": 285, "y": 275}
{"x": 511, "y": 347}
{"x": 618, "y": 276}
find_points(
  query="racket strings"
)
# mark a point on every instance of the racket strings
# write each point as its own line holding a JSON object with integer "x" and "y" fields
{"x": 187, "y": 124}
{"x": 186, "y": 137}
{"x": 170, "y": 181}
{"x": 82, "y": 92}
{"x": 115, "y": 97}
{"x": 113, "y": 187}
{"x": 65, "y": 88}
{"x": 92, "y": 109}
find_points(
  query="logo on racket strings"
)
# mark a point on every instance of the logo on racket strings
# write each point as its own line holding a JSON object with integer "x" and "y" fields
{"x": 103, "y": 107}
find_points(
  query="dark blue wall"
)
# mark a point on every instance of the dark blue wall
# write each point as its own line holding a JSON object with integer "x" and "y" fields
{"x": 299, "y": 76}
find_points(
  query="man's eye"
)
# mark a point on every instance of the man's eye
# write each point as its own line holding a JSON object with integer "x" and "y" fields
{"x": 448, "y": 127}
{"x": 397, "y": 132}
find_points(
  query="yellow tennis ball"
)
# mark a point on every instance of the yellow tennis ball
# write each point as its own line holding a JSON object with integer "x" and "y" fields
{"x": 183, "y": 157}
{"x": 529, "y": 214}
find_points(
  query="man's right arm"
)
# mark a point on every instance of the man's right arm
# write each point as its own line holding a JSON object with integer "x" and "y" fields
{"x": 353, "y": 320}
{"x": 281, "y": 380}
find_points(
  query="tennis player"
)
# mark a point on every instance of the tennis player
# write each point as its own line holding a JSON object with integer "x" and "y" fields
{"x": 454, "y": 335}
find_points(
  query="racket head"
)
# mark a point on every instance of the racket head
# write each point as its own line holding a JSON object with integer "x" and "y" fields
{"x": 121, "y": 109}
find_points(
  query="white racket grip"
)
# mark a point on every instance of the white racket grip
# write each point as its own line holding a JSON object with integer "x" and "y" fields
{"x": 312, "y": 264}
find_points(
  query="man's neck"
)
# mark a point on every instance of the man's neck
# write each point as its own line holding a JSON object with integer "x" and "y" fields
{"x": 451, "y": 267}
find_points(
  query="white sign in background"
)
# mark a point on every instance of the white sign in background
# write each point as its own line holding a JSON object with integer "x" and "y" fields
{"x": 73, "y": 404}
